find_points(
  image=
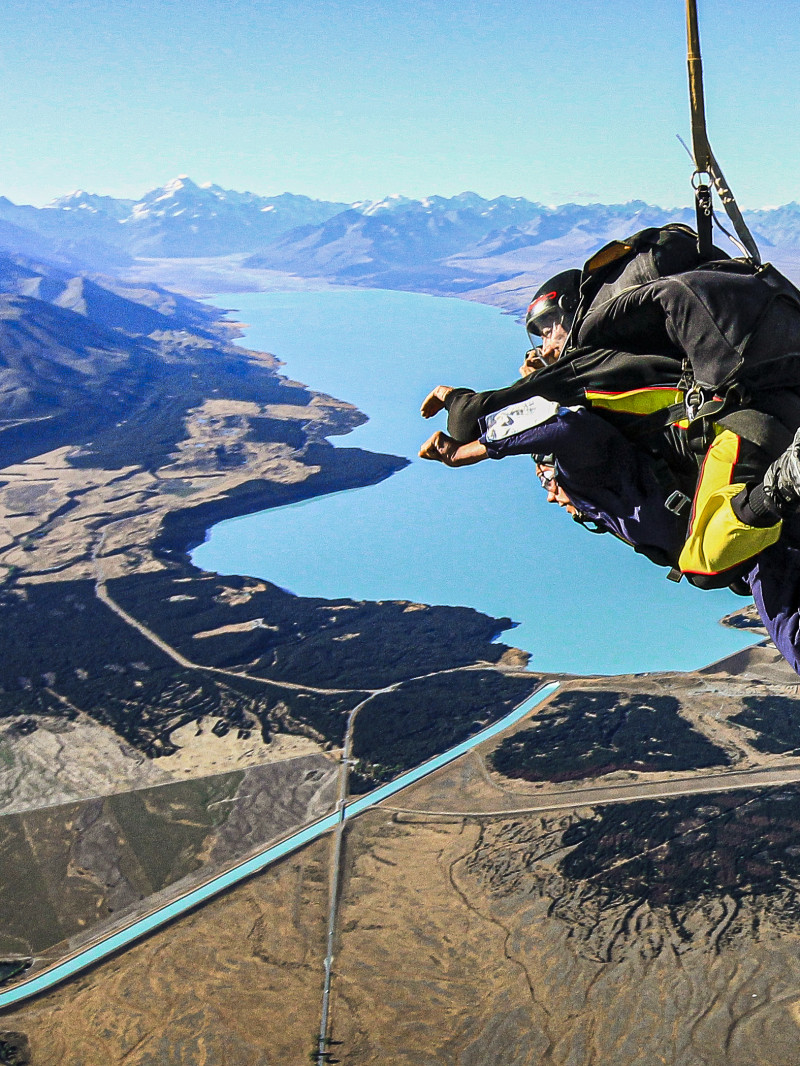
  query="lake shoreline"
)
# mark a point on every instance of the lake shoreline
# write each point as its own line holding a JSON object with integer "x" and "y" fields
{"x": 457, "y": 537}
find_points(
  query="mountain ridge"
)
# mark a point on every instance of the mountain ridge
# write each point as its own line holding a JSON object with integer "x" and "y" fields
{"x": 490, "y": 250}
{"x": 242, "y": 220}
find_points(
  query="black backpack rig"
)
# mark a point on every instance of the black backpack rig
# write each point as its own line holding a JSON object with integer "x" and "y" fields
{"x": 749, "y": 382}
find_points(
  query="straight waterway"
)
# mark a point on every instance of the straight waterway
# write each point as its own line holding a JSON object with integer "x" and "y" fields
{"x": 113, "y": 942}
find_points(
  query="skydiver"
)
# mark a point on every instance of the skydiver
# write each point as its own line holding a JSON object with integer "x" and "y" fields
{"x": 741, "y": 494}
{"x": 604, "y": 481}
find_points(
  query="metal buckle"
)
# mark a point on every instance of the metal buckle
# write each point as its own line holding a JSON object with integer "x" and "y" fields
{"x": 677, "y": 502}
{"x": 694, "y": 400}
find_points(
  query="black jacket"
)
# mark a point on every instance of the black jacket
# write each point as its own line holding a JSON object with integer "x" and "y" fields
{"x": 722, "y": 324}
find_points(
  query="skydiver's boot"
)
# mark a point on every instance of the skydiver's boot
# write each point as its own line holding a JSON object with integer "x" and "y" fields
{"x": 778, "y": 495}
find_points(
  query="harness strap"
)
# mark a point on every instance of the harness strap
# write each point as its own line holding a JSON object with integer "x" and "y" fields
{"x": 646, "y": 425}
{"x": 704, "y": 214}
{"x": 765, "y": 431}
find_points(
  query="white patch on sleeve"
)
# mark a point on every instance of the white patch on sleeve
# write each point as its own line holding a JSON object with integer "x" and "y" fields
{"x": 519, "y": 418}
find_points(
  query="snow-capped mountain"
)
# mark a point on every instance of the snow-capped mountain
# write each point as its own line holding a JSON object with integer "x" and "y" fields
{"x": 180, "y": 218}
{"x": 92, "y": 204}
{"x": 777, "y": 226}
{"x": 381, "y": 238}
{"x": 395, "y": 202}
{"x": 451, "y": 244}
{"x": 185, "y": 219}
{"x": 456, "y": 244}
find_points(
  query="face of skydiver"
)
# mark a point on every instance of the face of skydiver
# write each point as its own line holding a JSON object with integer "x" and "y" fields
{"x": 554, "y": 333}
{"x": 555, "y": 494}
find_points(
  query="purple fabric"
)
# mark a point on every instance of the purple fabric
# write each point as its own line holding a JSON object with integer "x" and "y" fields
{"x": 775, "y": 584}
{"x": 612, "y": 483}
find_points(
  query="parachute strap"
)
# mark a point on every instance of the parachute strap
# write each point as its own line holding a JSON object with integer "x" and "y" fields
{"x": 704, "y": 213}
{"x": 704, "y": 160}
{"x": 656, "y": 421}
{"x": 657, "y": 407}
{"x": 766, "y": 431}
{"x": 701, "y": 149}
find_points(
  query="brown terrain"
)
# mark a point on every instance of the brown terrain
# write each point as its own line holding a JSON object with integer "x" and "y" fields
{"x": 133, "y": 424}
{"x": 158, "y": 724}
{"x": 491, "y": 919}
{"x": 613, "y": 880}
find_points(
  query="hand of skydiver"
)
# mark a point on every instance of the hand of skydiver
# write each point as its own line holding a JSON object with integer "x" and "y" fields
{"x": 445, "y": 450}
{"x": 434, "y": 402}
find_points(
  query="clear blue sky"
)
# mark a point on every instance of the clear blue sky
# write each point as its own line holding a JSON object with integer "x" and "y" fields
{"x": 556, "y": 101}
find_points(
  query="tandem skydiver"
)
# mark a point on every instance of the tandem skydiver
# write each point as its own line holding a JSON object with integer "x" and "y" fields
{"x": 716, "y": 435}
{"x": 616, "y": 485}
{"x": 609, "y": 485}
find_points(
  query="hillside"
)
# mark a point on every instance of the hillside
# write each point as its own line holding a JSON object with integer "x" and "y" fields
{"x": 132, "y": 424}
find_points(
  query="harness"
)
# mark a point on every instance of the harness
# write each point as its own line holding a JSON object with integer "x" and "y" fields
{"x": 741, "y": 398}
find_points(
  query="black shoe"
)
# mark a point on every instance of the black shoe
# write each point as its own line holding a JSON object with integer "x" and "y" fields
{"x": 740, "y": 587}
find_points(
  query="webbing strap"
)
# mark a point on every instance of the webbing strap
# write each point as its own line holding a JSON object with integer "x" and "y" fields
{"x": 732, "y": 210}
{"x": 704, "y": 160}
{"x": 705, "y": 242}
{"x": 657, "y": 420}
{"x": 701, "y": 149}
{"x": 765, "y": 431}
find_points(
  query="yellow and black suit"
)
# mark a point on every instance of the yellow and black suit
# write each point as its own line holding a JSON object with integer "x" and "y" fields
{"x": 629, "y": 358}
{"x": 723, "y": 534}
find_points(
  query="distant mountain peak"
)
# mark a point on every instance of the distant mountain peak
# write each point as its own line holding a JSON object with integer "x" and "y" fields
{"x": 388, "y": 203}
{"x": 91, "y": 203}
{"x": 183, "y": 181}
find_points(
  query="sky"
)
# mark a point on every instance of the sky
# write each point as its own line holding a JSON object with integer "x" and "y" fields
{"x": 560, "y": 101}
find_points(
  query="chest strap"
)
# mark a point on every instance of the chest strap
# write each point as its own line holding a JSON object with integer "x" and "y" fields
{"x": 765, "y": 431}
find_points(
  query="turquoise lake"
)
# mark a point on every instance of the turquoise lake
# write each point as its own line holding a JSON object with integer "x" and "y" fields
{"x": 481, "y": 536}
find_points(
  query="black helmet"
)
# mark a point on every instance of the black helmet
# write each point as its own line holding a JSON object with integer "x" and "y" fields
{"x": 559, "y": 295}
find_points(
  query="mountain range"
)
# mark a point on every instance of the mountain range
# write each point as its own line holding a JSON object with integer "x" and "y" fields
{"x": 177, "y": 219}
{"x": 487, "y": 249}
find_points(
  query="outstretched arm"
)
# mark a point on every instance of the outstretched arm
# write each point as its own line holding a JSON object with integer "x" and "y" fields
{"x": 444, "y": 449}
{"x": 465, "y": 408}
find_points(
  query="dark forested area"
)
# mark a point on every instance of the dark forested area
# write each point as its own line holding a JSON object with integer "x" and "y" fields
{"x": 590, "y": 733}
